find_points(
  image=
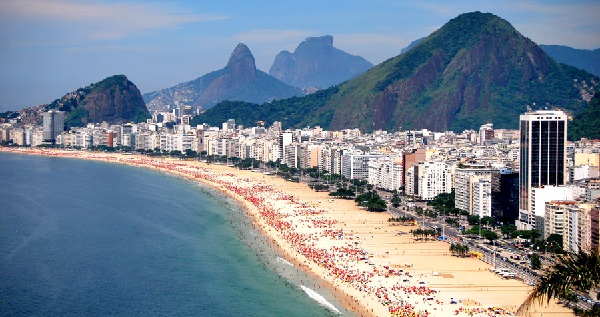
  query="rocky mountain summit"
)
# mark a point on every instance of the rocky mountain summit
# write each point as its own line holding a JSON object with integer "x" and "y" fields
{"x": 316, "y": 63}
{"x": 239, "y": 80}
{"x": 114, "y": 100}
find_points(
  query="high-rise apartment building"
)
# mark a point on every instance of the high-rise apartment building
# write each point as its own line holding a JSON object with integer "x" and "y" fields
{"x": 486, "y": 133}
{"x": 466, "y": 179}
{"x": 426, "y": 180}
{"x": 285, "y": 139}
{"x": 542, "y": 157}
{"x": 53, "y": 125}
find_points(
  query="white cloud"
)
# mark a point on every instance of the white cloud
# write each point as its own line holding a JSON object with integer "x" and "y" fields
{"x": 104, "y": 21}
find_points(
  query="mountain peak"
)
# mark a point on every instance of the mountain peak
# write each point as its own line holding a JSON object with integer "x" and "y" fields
{"x": 114, "y": 99}
{"x": 316, "y": 63}
{"x": 239, "y": 80}
{"x": 325, "y": 40}
{"x": 241, "y": 53}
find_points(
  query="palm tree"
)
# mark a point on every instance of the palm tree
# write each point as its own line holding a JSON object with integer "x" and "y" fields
{"x": 571, "y": 272}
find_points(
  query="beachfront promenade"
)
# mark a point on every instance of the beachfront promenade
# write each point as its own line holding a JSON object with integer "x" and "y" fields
{"x": 373, "y": 268}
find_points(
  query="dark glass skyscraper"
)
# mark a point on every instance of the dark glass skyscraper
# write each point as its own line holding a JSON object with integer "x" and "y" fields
{"x": 542, "y": 157}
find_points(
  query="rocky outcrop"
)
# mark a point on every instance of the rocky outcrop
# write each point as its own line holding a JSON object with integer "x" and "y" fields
{"x": 239, "y": 71}
{"x": 316, "y": 63}
{"x": 114, "y": 100}
{"x": 239, "y": 80}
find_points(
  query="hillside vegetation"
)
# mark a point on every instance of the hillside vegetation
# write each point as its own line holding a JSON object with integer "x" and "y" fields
{"x": 114, "y": 100}
{"x": 475, "y": 69}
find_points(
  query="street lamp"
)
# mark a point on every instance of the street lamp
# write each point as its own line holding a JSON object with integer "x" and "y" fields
{"x": 494, "y": 251}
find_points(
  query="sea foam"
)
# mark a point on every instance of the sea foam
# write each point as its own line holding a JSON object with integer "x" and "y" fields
{"x": 319, "y": 299}
{"x": 282, "y": 260}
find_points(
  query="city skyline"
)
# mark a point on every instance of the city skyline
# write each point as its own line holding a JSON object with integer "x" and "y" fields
{"x": 49, "y": 48}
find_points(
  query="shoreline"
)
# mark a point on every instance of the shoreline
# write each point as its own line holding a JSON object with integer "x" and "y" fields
{"x": 362, "y": 259}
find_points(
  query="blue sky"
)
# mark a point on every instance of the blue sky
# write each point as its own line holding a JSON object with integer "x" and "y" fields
{"x": 51, "y": 47}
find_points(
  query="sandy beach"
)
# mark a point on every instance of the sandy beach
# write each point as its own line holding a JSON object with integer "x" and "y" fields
{"x": 372, "y": 267}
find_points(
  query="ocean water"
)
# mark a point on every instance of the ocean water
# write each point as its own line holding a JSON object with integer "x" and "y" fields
{"x": 82, "y": 238}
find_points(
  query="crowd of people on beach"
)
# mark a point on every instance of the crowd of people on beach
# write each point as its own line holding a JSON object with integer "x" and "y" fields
{"x": 316, "y": 239}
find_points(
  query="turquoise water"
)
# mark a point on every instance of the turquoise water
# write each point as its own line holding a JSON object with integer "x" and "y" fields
{"x": 82, "y": 238}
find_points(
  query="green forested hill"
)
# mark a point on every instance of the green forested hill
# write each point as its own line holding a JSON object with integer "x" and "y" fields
{"x": 292, "y": 112}
{"x": 475, "y": 69}
{"x": 114, "y": 100}
{"x": 587, "y": 123}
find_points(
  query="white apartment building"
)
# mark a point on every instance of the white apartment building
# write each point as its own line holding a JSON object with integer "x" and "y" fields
{"x": 269, "y": 151}
{"x": 541, "y": 195}
{"x": 146, "y": 140}
{"x": 386, "y": 172}
{"x": 18, "y": 137}
{"x": 247, "y": 148}
{"x": 285, "y": 139}
{"x": 37, "y": 138}
{"x": 572, "y": 220}
{"x": 204, "y": 136}
{"x": 592, "y": 190}
{"x": 291, "y": 155}
{"x": 409, "y": 182}
{"x": 184, "y": 142}
{"x": 465, "y": 180}
{"x": 166, "y": 142}
{"x": 482, "y": 198}
{"x": 356, "y": 166}
{"x": 583, "y": 171}
{"x": 329, "y": 159}
{"x": 554, "y": 218}
{"x": 426, "y": 180}
{"x": 223, "y": 146}
{"x": 434, "y": 179}
{"x": 486, "y": 133}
